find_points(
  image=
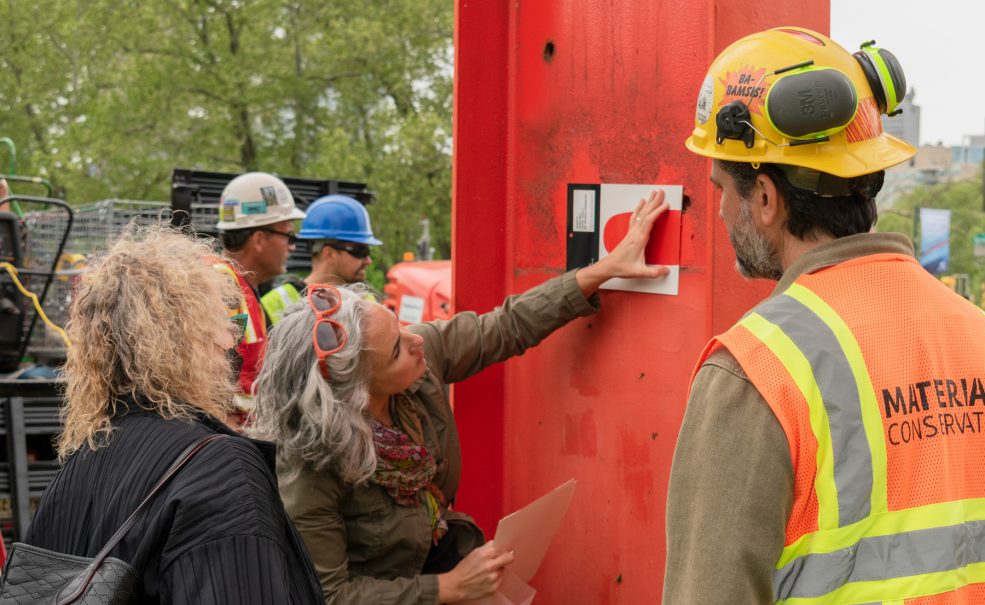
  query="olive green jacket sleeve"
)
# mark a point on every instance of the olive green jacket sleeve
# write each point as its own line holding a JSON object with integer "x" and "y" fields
{"x": 730, "y": 494}
{"x": 314, "y": 502}
{"x": 465, "y": 344}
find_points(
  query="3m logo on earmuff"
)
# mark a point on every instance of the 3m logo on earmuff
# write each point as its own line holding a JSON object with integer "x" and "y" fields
{"x": 809, "y": 103}
{"x": 812, "y": 103}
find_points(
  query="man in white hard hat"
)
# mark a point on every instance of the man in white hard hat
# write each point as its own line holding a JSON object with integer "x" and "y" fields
{"x": 256, "y": 228}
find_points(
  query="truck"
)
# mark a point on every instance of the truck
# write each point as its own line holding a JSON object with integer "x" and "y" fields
{"x": 419, "y": 291}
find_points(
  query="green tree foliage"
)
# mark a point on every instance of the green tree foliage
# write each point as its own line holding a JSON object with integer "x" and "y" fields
{"x": 106, "y": 97}
{"x": 964, "y": 199}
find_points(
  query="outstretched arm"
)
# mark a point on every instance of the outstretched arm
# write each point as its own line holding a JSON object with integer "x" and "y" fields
{"x": 467, "y": 343}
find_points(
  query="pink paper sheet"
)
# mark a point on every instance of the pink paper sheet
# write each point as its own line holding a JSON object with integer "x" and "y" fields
{"x": 528, "y": 533}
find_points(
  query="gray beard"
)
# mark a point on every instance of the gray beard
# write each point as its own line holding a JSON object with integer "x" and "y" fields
{"x": 755, "y": 256}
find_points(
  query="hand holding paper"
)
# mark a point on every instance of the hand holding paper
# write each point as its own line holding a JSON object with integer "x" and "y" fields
{"x": 528, "y": 533}
{"x": 478, "y": 574}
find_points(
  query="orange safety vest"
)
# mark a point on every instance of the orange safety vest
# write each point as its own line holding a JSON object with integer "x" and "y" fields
{"x": 876, "y": 373}
{"x": 250, "y": 348}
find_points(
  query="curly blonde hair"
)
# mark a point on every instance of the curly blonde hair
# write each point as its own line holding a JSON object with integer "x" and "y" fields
{"x": 149, "y": 322}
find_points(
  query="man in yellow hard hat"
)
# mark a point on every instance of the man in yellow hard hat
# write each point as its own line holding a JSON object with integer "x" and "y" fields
{"x": 829, "y": 451}
{"x": 256, "y": 228}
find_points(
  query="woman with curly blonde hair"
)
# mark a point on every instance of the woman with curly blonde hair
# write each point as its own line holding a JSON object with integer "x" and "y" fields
{"x": 148, "y": 374}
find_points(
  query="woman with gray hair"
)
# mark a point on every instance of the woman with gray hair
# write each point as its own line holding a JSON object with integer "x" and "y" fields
{"x": 368, "y": 452}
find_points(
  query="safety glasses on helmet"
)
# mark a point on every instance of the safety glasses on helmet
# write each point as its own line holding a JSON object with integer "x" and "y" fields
{"x": 328, "y": 336}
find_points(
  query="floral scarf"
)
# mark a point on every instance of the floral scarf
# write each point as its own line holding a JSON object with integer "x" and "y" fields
{"x": 405, "y": 468}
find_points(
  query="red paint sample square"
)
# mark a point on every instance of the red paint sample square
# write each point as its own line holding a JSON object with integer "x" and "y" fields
{"x": 664, "y": 247}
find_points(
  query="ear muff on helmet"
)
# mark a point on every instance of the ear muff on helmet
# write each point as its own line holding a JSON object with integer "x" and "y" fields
{"x": 812, "y": 103}
{"x": 807, "y": 104}
{"x": 884, "y": 74}
{"x": 731, "y": 122}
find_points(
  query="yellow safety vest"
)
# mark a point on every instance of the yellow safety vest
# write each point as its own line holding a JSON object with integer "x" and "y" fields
{"x": 278, "y": 300}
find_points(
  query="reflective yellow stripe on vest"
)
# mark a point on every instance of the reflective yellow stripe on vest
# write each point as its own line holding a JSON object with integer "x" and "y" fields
{"x": 278, "y": 300}
{"x": 862, "y": 552}
{"x": 249, "y": 333}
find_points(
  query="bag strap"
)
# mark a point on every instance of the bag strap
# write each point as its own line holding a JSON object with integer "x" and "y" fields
{"x": 77, "y": 587}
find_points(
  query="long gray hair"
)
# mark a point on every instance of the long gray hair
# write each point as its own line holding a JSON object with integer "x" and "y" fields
{"x": 311, "y": 420}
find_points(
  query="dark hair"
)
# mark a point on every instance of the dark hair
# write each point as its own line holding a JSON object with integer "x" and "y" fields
{"x": 235, "y": 239}
{"x": 809, "y": 214}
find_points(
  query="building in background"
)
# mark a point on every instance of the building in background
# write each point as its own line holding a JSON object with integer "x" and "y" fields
{"x": 971, "y": 151}
{"x": 934, "y": 165}
{"x": 906, "y": 125}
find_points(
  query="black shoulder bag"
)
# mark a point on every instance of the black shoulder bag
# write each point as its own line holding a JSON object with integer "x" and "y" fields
{"x": 35, "y": 576}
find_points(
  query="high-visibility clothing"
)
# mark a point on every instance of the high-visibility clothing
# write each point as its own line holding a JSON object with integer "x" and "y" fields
{"x": 276, "y": 301}
{"x": 279, "y": 299}
{"x": 876, "y": 373}
{"x": 250, "y": 348}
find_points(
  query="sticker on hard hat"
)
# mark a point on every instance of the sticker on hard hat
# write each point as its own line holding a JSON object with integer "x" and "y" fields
{"x": 228, "y": 211}
{"x": 866, "y": 125}
{"x": 249, "y": 208}
{"x": 705, "y": 99}
{"x": 746, "y": 85}
{"x": 270, "y": 195}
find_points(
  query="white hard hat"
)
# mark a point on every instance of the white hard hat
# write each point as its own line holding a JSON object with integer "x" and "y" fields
{"x": 255, "y": 199}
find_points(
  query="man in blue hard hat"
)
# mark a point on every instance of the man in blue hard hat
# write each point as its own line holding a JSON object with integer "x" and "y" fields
{"x": 340, "y": 235}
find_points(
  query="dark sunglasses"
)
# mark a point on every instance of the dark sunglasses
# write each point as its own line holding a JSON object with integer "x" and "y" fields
{"x": 356, "y": 251}
{"x": 328, "y": 336}
{"x": 291, "y": 238}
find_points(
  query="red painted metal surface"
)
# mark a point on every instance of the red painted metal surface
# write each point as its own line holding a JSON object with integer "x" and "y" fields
{"x": 579, "y": 91}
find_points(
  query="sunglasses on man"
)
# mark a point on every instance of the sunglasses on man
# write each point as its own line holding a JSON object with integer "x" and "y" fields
{"x": 356, "y": 250}
{"x": 291, "y": 238}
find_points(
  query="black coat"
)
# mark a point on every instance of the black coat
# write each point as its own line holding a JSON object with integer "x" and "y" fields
{"x": 217, "y": 533}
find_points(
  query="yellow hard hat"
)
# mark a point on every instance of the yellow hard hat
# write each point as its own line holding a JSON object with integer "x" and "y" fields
{"x": 793, "y": 96}
{"x": 70, "y": 264}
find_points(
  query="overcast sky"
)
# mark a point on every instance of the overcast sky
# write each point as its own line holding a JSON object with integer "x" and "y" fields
{"x": 941, "y": 45}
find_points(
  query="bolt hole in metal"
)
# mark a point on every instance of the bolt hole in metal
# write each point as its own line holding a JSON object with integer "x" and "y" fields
{"x": 549, "y": 50}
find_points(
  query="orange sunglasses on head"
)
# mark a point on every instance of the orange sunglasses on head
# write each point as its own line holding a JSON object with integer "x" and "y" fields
{"x": 328, "y": 336}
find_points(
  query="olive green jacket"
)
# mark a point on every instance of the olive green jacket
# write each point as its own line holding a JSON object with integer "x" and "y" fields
{"x": 366, "y": 548}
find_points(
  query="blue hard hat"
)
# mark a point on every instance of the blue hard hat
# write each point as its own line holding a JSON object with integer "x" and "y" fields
{"x": 338, "y": 217}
